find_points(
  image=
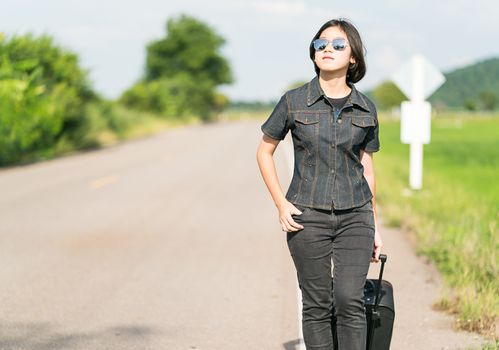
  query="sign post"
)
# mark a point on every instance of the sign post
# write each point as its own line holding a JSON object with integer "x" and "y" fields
{"x": 417, "y": 79}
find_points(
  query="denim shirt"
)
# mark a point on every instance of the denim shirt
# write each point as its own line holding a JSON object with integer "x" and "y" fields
{"x": 327, "y": 142}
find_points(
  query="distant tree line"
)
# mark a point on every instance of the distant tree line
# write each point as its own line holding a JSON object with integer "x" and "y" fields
{"x": 48, "y": 105}
{"x": 252, "y": 105}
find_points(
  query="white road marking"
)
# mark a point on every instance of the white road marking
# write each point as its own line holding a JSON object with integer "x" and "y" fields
{"x": 289, "y": 155}
{"x": 103, "y": 181}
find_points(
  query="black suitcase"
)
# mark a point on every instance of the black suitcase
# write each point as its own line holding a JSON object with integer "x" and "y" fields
{"x": 380, "y": 312}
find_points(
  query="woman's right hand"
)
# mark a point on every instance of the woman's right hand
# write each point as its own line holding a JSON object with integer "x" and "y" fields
{"x": 287, "y": 223}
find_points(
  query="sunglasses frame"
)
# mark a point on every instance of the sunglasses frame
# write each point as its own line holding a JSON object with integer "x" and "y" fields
{"x": 332, "y": 43}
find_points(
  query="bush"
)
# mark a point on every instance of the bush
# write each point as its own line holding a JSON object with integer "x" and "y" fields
{"x": 172, "y": 97}
{"x": 43, "y": 94}
{"x": 30, "y": 119}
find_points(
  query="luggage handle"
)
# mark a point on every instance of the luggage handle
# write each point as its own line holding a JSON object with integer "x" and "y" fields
{"x": 383, "y": 258}
{"x": 374, "y": 313}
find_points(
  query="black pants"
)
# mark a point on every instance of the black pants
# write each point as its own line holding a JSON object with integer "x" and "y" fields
{"x": 346, "y": 236}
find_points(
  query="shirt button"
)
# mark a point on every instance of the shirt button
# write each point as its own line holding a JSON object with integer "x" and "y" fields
{"x": 340, "y": 121}
{"x": 332, "y": 171}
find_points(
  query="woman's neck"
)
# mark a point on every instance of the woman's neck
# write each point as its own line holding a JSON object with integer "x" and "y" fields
{"x": 334, "y": 86}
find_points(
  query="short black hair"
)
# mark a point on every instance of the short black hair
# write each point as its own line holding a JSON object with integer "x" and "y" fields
{"x": 357, "y": 70}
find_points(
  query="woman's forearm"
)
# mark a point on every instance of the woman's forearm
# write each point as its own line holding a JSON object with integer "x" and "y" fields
{"x": 269, "y": 174}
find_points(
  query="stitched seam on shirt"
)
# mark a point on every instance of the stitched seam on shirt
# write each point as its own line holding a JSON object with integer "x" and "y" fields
{"x": 366, "y": 105}
{"x": 316, "y": 167}
{"x": 349, "y": 178}
{"x": 335, "y": 188}
{"x": 329, "y": 138}
{"x": 302, "y": 173}
{"x": 362, "y": 184}
{"x": 310, "y": 111}
{"x": 361, "y": 176}
{"x": 346, "y": 161}
{"x": 308, "y": 92}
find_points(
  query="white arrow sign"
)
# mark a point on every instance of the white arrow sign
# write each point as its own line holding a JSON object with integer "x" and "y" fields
{"x": 418, "y": 79}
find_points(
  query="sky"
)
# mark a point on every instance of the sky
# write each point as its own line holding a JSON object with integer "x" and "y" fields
{"x": 266, "y": 41}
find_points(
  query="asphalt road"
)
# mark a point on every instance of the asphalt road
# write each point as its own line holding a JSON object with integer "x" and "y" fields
{"x": 171, "y": 242}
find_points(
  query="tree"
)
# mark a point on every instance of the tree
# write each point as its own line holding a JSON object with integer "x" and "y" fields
{"x": 469, "y": 104}
{"x": 387, "y": 95}
{"x": 182, "y": 72}
{"x": 190, "y": 47}
{"x": 488, "y": 100}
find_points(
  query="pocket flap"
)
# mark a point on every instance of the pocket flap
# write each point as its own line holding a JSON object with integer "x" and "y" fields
{"x": 307, "y": 118}
{"x": 364, "y": 121}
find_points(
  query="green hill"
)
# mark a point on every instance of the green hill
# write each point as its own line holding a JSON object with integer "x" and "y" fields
{"x": 474, "y": 87}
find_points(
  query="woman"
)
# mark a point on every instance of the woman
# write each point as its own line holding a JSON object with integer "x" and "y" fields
{"x": 329, "y": 209}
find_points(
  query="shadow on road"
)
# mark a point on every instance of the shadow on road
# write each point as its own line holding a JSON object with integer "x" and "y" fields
{"x": 292, "y": 344}
{"x": 44, "y": 336}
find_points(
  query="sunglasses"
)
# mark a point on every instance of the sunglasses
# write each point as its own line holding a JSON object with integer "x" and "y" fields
{"x": 339, "y": 44}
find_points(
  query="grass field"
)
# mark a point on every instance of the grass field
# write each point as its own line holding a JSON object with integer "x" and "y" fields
{"x": 453, "y": 220}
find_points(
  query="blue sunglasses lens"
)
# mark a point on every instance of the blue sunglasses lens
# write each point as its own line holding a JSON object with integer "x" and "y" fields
{"x": 320, "y": 44}
{"x": 339, "y": 44}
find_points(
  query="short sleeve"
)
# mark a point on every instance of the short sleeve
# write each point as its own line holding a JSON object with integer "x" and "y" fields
{"x": 277, "y": 124}
{"x": 371, "y": 142}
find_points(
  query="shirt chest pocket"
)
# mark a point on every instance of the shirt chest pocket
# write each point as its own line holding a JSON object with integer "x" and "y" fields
{"x": 360, "y": 127}
{"x": 307, "y": 125}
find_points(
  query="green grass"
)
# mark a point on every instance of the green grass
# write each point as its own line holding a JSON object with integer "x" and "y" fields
{"x": 118, "y": 125}
{"x": 453, "y": 220}
{"x": 130, "y": 124}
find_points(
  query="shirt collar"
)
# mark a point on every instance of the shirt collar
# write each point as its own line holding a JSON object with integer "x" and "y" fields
{"x": 315, "y": 92}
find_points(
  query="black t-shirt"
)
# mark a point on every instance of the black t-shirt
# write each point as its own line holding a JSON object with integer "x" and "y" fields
{"x": 339, "y": 102}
